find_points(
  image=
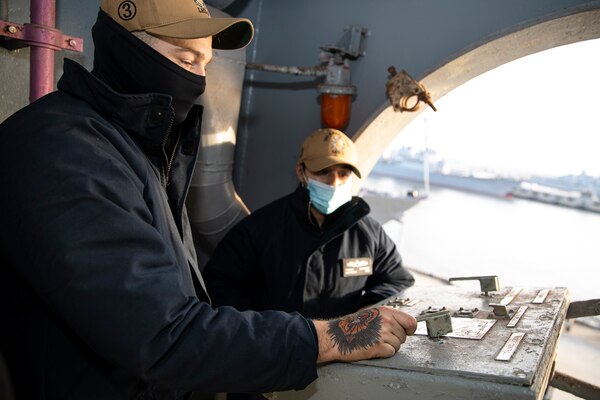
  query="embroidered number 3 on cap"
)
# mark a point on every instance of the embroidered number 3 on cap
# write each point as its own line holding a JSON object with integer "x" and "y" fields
{"x": 127, "y": 10}
{"x": 357, "y": 267}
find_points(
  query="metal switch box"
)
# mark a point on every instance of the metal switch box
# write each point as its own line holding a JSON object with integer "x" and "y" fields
{"x": 484, "y": 357}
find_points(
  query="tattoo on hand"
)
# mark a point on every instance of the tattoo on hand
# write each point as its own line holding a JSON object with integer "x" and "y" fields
{"x": 360, "y": 330}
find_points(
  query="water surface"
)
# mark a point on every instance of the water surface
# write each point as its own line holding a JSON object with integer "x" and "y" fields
{"x": 525, "y": 243}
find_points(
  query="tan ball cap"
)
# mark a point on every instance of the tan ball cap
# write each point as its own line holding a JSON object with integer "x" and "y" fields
{"x": 183, "y": 19}
{"x": 327, "y": 147}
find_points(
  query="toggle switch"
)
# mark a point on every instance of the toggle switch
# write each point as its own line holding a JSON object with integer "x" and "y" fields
{"x": 487, "y": 283}
{"x": 438, "y": 323}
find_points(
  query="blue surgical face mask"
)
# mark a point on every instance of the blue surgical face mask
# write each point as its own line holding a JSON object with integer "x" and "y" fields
{"x": 326, "y": 198}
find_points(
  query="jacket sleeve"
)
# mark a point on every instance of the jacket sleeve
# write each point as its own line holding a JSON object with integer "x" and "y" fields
{"x": 389, "y": 276}
{"x": 232, "y": 272}
{"x": 78, "y": 230}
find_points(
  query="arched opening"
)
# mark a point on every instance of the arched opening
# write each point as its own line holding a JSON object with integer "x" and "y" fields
{"x": 383, "y": 127}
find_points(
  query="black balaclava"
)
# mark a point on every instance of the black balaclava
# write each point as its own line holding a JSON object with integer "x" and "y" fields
{"x": 130, "y": 66}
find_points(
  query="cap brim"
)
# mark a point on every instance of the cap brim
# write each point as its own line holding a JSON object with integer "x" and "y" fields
{"x": 227, "y": 33}
{"x": 325, "y": 162}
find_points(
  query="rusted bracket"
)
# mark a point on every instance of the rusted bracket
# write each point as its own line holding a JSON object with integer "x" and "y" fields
{"x": 405, "y": 92}
{"x": 588, "y": 308}
{"x": 574, "y": 386}
{"x": 15, "y": 36}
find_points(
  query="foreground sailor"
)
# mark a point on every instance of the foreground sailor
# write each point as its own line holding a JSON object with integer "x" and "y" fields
{"x": 100, "y": 293}
{"x": 315, "y": 250}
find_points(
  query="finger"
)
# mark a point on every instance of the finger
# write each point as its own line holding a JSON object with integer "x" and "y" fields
{"x": 391, "y": 325}
{"x": 399, "y": 333}
{"x": 407, "y": 321}
{"x": 395, "y": 340}
{"x": 387, "y": 350}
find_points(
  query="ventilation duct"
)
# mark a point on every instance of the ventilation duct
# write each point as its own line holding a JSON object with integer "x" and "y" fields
{"x": 213, "y": 204}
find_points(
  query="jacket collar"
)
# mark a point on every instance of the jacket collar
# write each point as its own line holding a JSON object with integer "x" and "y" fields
{"x": 145, "y": 116}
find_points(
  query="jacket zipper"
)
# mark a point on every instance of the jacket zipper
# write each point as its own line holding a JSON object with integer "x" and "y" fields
{"x": 168, "y": 160}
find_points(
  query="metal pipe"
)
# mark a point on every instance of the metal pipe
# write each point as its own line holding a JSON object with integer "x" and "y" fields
{"x": 4, "y": 10}
{"x": 319, "y": 70}
{"x": 588, "y": 308}
{"x": 574, "y": 386}
{"x": 213, "y": 204}
{"x": 41, "y": 70}
{"x": 242, "y": 140}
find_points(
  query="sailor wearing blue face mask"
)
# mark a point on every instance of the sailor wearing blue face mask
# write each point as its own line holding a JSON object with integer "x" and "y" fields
{"x": 326, "y": 166}
{"x": 316, "y": 250}
{"x": 326, "y": 198}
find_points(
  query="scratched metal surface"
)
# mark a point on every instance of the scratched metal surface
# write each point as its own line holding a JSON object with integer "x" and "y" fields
{"x": 470, "y": 358}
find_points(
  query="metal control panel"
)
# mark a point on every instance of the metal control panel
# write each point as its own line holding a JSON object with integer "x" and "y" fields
{"x": 502, "y": 346}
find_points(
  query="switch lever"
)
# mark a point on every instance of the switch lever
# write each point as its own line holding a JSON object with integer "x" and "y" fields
{"x": 438, "y": 323}
{"x": 487, "y": 283}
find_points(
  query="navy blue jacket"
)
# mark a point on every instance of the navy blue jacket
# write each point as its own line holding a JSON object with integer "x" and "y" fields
{"x": 100, "y": 294}
{"x": 278, "y": 259}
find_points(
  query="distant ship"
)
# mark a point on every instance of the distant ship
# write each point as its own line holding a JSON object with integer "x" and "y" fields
{"x": 475, "y": 182}
{"x": 581, "y": 199}
{"x": 410, "y": 165}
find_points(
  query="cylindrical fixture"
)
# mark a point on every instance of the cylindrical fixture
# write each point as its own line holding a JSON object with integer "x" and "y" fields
{"x": 4, "y": 10}
{"x": 213, "y": 203}
{"x": 41, "y": 69}
{"x": 335, "y": 110}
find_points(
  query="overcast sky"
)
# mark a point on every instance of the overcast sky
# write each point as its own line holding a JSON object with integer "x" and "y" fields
{"x": 539, "y": 114}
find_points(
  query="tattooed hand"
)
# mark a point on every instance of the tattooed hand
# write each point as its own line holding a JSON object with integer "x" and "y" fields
{"x": 371, "y": 333}
{"x": 360, "y": 330}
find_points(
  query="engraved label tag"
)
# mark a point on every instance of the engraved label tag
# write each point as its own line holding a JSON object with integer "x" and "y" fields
{"x": 357, "y": 267}
{"x": 541, "y": 296}
{"x": 510, "y": 346}
{"x": 463, "y": 328}
{"x": 509, "y": 297}
{"x": 515, "y": 319}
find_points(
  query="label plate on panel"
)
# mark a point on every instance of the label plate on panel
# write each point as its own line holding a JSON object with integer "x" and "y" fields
{"x": 510, "y": 346}
{"x": 463, "y": 328}
{"x": 541, "y": 296}
{"x": 515, "y": 319}
{"x": 510, "y": 296}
